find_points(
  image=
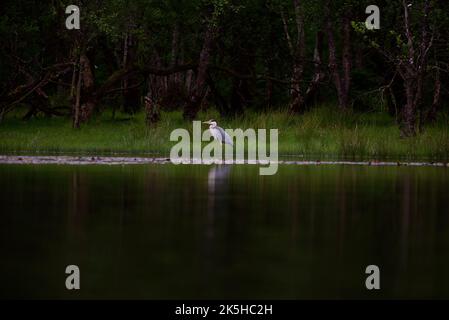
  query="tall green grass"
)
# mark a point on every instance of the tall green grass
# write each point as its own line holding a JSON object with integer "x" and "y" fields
{"x": 321, "y": 133}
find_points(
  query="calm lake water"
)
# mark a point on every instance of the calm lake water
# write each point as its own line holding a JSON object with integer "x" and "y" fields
{"x": 191, "y": 231}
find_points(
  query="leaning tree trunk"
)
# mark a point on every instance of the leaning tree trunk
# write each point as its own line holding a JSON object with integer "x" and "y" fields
{"x": 297, "y": 98}
{"x": 318, "y": 76}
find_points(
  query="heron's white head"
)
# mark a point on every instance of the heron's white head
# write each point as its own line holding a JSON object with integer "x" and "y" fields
{"x": 211, "y": 122}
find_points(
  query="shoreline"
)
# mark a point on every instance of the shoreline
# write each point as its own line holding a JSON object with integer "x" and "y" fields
{"x": 108, "y": 160}
{"x": 311, "y": 136}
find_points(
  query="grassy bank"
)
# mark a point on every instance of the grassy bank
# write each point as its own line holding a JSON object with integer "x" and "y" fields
{"x": 320, "y": 133}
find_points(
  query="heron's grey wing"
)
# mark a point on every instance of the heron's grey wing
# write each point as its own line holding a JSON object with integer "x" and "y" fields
{"x": 215, "y": 133}
{"x": 225, "y": 138}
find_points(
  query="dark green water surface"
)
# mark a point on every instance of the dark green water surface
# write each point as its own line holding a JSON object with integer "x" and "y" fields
{"x": 196, "y": 231}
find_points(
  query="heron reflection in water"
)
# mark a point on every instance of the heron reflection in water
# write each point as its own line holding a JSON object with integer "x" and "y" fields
{"x": 217, "y": 207}
{"x": 217, "y": 185}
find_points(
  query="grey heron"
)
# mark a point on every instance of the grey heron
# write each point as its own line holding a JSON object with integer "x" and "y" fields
{"x": 218, "y": 133}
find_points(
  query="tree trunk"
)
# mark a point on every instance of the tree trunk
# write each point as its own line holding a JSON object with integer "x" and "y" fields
{"x": 297, "y": 51}
{"x": 346, "y": 59}
{"x": 333, "y": 59}
{"x": 220, "y": 102}
{"x": 193, "y": 105}
{"x": 342, "y": 84}
{"x": 88, "y": 100}
{"x": 73, "y": 83}
{"x": 432, "y": 114}
{"x": 131, "y": 92}
{"x": 77, "y": 106}
{"x": 174, "y": 49}
{"x": 242, "y": 60}
{"x": 413, "y": 69}
{"x": 151, "y": 111}
{"x": 318, "y": 73}
{"x": 409, "y": 111}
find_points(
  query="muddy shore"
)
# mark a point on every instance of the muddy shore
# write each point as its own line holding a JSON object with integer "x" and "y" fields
{"x": 94, "y": 160}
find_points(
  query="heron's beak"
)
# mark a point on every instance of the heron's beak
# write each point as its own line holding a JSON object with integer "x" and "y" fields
{"x": 206, "y": 122}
